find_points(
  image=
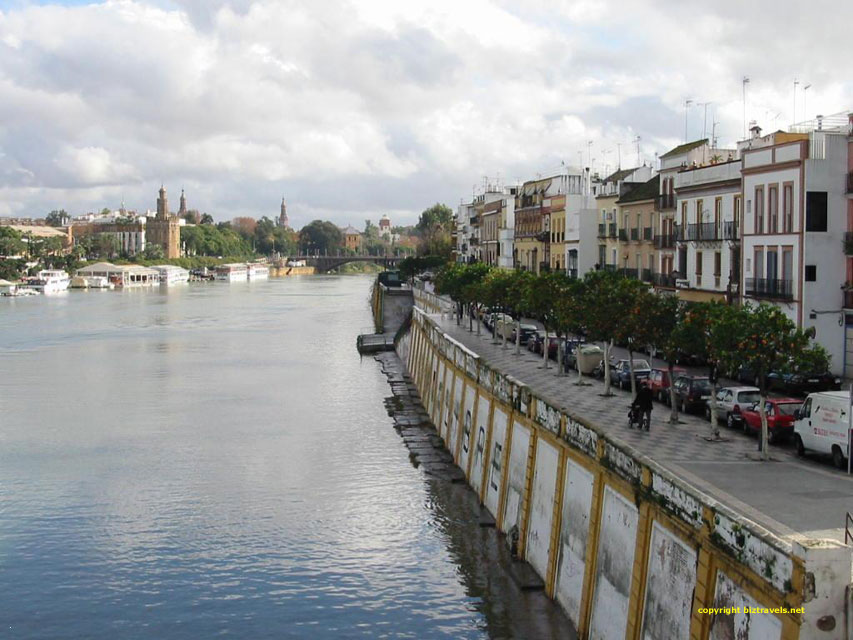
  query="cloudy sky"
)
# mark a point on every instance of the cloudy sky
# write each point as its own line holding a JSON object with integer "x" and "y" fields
{"x": 352, "y": 109}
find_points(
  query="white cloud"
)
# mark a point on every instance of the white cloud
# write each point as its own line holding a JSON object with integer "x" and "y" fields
{"x": 372, "y": 106}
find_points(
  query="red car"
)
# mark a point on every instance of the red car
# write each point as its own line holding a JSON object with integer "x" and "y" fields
{"x": 659, "y": 382}
{"x": 780, "y": 418}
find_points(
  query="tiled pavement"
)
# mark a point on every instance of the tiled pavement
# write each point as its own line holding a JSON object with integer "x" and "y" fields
{"x": 787, "y": 495}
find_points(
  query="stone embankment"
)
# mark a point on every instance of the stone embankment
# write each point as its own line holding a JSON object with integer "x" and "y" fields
{"x": 628, "y": 548}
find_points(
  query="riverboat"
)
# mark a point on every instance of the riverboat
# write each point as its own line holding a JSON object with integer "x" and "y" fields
{"x": 49, "y": 281}
{"x": 255, "y": 271}
{"x": 234, "y": 272}
{"x": 171, "y": 275}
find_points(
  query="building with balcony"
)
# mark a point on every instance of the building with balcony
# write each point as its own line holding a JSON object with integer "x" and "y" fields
{"x": 637, "y": 217}
{"x": 506, "y": 230}
{"x": 796, "y": 211}
{"x": 533, "y": 209}
{"x": 610, "y": 190}
{"x": 710, "y": 208}
{"x": 489, "y": 220}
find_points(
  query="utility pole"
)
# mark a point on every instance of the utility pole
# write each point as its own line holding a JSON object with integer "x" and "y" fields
{"x": 687, "y": 104}
{"x": 745, "y": 82}
{"x": 794, "y": 117}
{"x": 619, "y": 156}
{"x": 637, "y": 140}
{"x": 705, "y": 119}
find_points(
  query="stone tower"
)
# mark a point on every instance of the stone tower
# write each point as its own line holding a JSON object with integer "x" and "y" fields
{"x": 164, "y": 229}
{"x": 182, "y": 211}
{"x": 282, "y": 218}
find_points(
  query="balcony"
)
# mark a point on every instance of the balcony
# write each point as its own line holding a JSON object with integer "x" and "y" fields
{"x": 848, "y": 243}
{"x": 847, "y": 299}
{"x": 665, "y": 280}
{"x": 623, "y": 235}
{"x": 731, "y": 231}
{"x": 608, "y": 267}
{"x": 665, "y": 241}
{"x": 475, "y": 220}
{"x": 647, "y": 234}
{"x": 770, "y": 288}
{"x": 611, "y": 230}
{"x": 572, "y": 273}
{"x": 602, "y": 231}
{"x": 679, "y": 231}
{"x": 647, "y": 275}
{"x": 704, "y": 232}
{"x": 635, "y": 235}
{"x": 630, "y": 273}
{"x": 666, "y": 201}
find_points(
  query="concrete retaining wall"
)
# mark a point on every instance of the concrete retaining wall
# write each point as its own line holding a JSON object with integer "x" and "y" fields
{"x": 627, "y": 548}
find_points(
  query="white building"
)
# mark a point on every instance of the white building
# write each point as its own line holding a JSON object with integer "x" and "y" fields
{"x": 580, "y": 222}
{"x": 506, "y": 230}
{"x": 795, "y": 216}
{"x": 710, "y": 205}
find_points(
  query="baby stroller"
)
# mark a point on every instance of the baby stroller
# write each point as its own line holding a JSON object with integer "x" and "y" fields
{"x": 636, "y": 418}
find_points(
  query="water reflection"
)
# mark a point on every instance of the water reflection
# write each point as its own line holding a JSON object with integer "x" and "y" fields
{"x": 218, "y": 460}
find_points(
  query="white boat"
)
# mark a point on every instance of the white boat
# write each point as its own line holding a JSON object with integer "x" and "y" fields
{"x": 234, "y": 272}
{"x": 17, "y": 291}
{"x": 171, "y": 275}
{"x": 91, "y": 282}
{"x": 49, "y": 281}
{"x": 256, "y": 271}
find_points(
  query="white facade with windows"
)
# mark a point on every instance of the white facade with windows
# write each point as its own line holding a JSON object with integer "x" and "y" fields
{"x": 795, "y": 216}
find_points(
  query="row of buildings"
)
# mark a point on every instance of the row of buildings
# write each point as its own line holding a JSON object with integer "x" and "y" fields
{"x": 770, "y": 221}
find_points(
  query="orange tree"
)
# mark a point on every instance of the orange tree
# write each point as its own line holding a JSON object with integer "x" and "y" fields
{"x": 570, "y": 313}
{"x": 540, "y": 297}
{"x": 634, "y": 330}
{"x": 495, "y": 293}
{"x": 664, "y": 317}
{"x": 517, "y": 285}
{"x": 604, "y": 306}
{"x": 763, "y": 339}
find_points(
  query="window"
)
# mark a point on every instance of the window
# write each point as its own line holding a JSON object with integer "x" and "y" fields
{"x": 759, "y": 262}
{"x": 759, "y": 209}
{"x": 718, "y": 263}
{"x": 787, "y": 263}
{"x": 718, "y": 212}
{"x": 816, "y": 211}
{"x": 811, "y": 273}
{"x": 699, "y": 264}
{"x": 698, "y": 212}
{"x": 683, "y": 215}
{"x": 788, "y": 208}
{"x": 773, "y": 208}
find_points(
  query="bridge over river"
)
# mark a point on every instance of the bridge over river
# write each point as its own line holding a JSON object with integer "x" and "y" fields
{"x": 326, "y": 263}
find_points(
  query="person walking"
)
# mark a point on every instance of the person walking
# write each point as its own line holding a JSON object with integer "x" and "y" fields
{"x": 642, "y": 406}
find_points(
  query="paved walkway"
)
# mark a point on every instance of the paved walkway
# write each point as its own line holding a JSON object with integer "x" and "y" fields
{"x": 786, "y": 495}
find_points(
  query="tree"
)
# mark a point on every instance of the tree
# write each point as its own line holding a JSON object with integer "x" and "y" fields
{"x": 541, "y": 296}
{"x": 634, "y": 329}
{"x": 496, "y": 294}
{"x": 153, "y": 252}
{"x": 517, "y": 285}
{"x": 11, "y": 242}
{"x": 192, "y": 216}
{"x": 765, "y": 340}
{"x": 571, "y": 314}
{"x": 206, "y": 218}
{"x": 460, "y": 282}
{"x": 320, "y": 237}
{"x": 603, "y": 300}
{"x": 245, "y": 226}
{"x": 663, "y": 315}
{"x": 433, "y": 227}
{"x": 56, "y": 218}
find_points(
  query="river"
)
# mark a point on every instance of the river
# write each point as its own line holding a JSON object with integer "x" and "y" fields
{"x": 215, "y": 459}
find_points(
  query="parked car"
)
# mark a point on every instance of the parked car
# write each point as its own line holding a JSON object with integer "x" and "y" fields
{"x": 780, "y": 418}
{"x": 620, "y": 373}
{"x": 691, "y": 392}
{"x": 499, "y": 320}
{"x": 494, "y": 317}
{"x": 539, "y": 339}
{"x": 802, "y": 384}
{"x": 821, "y": 425}
{"x": 731, "y": 402}
{"x": 527, "y": 330}
{"x": 660, "y": 382}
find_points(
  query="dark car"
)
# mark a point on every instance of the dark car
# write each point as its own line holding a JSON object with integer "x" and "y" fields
{"x": 570, "y": 353}
{"x": 802, "y": 384}
{"x": 535, "y": 342}
{"x": 660, "y": 382}
{"x": 527, "y": 330}
{"x": 620, "y": 373}
{"x": 691, "y": 392}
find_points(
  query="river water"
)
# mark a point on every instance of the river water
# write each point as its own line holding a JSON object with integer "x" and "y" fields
{"x": 216, "y": 460}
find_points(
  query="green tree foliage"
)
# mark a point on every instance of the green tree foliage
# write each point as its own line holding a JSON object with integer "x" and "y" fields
{"x": 11, "y": 242}
{"x": 433, "y": 228}
{"x": 56, "y": 218}
{"x": 206, "y": 218}
{"x": 412, "y": 265}
{"x": 210, "y": 240}
{"x": 153, "y": 252}
{"x": 320, "y": 236}
{"x": 604, "y": 301}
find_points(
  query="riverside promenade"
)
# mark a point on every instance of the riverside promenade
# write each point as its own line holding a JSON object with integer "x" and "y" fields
{"x": 787, "y": 495}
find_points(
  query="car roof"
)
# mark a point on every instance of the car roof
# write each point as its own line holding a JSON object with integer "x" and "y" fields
{"x": 785, "y": 400}
{"x": 838, "y": 395}
{"x": 739, "y": 389}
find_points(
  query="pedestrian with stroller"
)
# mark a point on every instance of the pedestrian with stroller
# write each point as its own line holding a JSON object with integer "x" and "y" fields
{"x": 642, "y": 406}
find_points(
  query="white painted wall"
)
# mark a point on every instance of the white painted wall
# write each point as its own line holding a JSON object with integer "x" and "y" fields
{"x": 574, "y": 537}
{"x": 481, "y": 433}
{"x": 614, "y": 567}
{"x": 496, "y": 462}
{"x": 670, "y": 580}
{"x": 750, "y": 626}
{"x": 454, "y": 416}
{"x": 519, "y": 446}
{"x": 538, "y": 545}
{"x": 467, "y": 425}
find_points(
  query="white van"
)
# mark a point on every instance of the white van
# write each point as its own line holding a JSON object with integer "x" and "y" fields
{"x": 821, "y": 425}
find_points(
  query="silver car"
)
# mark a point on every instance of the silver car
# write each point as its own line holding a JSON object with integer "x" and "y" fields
{"x": 731, "y": 402}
